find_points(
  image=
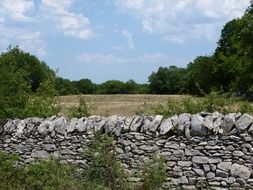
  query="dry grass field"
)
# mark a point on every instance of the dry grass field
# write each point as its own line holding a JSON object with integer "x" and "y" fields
{"x": 124, "y": 105}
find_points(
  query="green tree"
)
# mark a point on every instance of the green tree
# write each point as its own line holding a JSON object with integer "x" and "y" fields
{"x": 85, "y": 86}
{"x": 167, "y": 80}
{"x": 200, "y": 75}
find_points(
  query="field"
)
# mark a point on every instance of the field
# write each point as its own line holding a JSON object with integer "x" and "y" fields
{"x": 124, "y": 105}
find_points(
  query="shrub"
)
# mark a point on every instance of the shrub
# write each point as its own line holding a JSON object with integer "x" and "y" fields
{"x": 210, "y": 103}
{"x": 82, "y": 110}
{"x": 154, "y": 174}
{"x": 104, "y": 169}
{"x": 50, "y": 175}
{"x": 10, "y": 174}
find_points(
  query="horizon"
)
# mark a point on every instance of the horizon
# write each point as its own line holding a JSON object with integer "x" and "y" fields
{"x": 115, "y": 39}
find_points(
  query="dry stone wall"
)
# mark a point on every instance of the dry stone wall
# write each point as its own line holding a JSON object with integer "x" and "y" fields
{"x": 205, "y": 150}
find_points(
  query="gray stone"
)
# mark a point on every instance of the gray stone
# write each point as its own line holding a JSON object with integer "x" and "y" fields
{"x": 183, "y": 180}
{"x": 60, "y": 125}
{"x": 184, "y": 163}
{"x": 244, "y": 122}
{"x": 166, "y": 126}
{"x": 229, "y": 121}
{"x": 225, "y": 166}
{"x": 240, "y": 171}
{"x": 210, "y": 175}
{"x": 238, "y": 153}
{"x": 40, "y": 154}
{"x": 155, "y": 123}
{"x": 221, "y": 173}
{"x": 136, "y": 124}
{"x": 251, "y": 129}
{"x": 197, "y": 128}
{"x": 200, "y": 159}
{"x": 81, "y": 125}
{"x": 200, "y": 172}
{"x": 208, "y": 123}
{"x": 111, "y": 124}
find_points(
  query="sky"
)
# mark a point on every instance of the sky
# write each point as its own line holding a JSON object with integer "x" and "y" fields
{"x": 115, "y": 39}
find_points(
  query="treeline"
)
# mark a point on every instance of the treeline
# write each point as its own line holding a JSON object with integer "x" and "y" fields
{"x": 86, "y": 86}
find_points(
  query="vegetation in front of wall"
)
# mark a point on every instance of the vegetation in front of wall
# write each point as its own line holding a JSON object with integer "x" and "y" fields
{"x": 210, "y": 103}
{"x": 105, "y": 172}
{"x": 154, "y": 173}
{"x": 82, "y": 110}
{"x": 104, "y": 168}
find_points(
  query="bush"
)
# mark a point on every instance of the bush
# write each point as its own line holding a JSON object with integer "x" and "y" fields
{"x": 210, "y": 103}
{"x": 82, "y": 110}
{"x": 104, "y": 169}
{"x": 10, "y": 174}
{"x": 154, "y": 174}
{"x": 51, "y": 175}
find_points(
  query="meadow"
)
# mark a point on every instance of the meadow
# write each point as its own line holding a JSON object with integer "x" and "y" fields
{"x": 120, "y": 104}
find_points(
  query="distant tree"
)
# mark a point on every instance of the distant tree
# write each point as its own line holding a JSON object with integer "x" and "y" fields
{"x": 167, "y": 80}
{"x": 112, "y": 87}
{"x": 85, "y": 86}
{"x": 65, "y": 86}
{"x": 200, "y": 75}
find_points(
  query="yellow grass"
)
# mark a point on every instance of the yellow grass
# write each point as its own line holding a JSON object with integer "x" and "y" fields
{"x": 124, "y": 105}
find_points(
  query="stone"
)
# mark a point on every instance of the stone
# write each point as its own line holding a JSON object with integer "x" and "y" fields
{"x": 200, "y": 172}
{"x": 225, "y": 166}
{"x": 136, "y": 124}
{"x": 197, "y": 128}
{"x": 240, "y": 171}
{"x": 155, "y": 123}
{"x": 251, "y": 129}
{"x": 208, "y": 123}
{"x": 200, "y": 159}
{"x": 40, "y": 154}
{"x": 166, "y": 126}
{"x": 229, "y": 122}
{"x": 238, "y": 153}
{"x": 49, "y": 147}
{"x": 81, "y": 125}
{"x": 183, "y": 180}
{"x": 244, "y": 122}
{"x": 60, "y": 125}
{"x": 119, "y": 127}
{"x": 111, "y": 124}
{"x": 221, "y": 173}
{"x": 210, "y": 175}
{"x": 184, "y": 163}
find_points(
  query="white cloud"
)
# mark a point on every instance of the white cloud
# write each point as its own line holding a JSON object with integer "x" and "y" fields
{"x": 67, "y": 22}
{"x": 180, "y": 20}
{"x": 146, "y": 58}
{"x": 18, "y": 9}
{"x": 129, "y": 38}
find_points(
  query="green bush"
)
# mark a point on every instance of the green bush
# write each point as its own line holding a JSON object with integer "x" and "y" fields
{"x": 154, "y": 174}
{"x": 104, "y": 169}
{"x": 10, "y": 174}
{"x": 51, "y": 175}
{"x": 82, "y": 110}
{"x": 210, "y": 103}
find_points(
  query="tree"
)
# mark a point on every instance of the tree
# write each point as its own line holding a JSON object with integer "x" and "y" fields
{"x": 199, "y": 75}
{"x": 167, "y": 80}
{"x": 85, "y": 86}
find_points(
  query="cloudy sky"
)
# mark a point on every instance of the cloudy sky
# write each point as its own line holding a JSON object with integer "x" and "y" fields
{"x": 115, "y": 39}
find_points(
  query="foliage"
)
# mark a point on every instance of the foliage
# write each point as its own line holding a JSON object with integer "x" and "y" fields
{"x": 104, "y": 168}
{"x": 50, "y": 175}
{"x": 10, "y": 174}
{"x": 167, "y": 80}
{"x": 210, "y": 103}
{"x": 154, "y": 174}
{"x": 27, "y": 86}
{"x": 82, "y": 110}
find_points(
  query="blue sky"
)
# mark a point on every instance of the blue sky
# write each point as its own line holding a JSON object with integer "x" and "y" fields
{"x": 115, "y": 39}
